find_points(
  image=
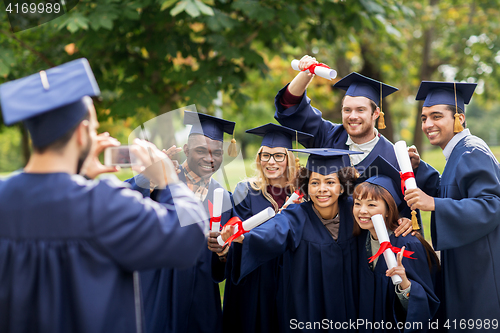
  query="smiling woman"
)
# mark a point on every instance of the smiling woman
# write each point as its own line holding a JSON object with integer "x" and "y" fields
{"x": 313, "y": 243}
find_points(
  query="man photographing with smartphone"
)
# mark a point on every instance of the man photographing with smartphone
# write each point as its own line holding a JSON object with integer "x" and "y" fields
{"x": 69, "y": 246}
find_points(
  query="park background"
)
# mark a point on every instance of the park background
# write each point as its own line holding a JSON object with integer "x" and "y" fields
{"x": 230, "y": 57}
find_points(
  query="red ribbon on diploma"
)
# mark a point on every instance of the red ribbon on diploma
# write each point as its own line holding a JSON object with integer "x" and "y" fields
{"x": 387, "y": 245}
{"x": 235, "y": 221}
{"x": 404, "y": 177}
{"x": 300, "y": 194}
{"x": 313, "y": 66}
{"x": 212, "y": 219}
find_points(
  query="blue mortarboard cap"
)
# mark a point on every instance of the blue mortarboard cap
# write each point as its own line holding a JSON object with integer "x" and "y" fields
{"x": 382, "y": 173}
{"x": 326, "y": 161}
{"x": 359, "y": 85}
{"x": 50, "y": 102}
{"x": 209, "y": 126}
{"x": 280, "y": 136}
{"x": 435, "y": 93}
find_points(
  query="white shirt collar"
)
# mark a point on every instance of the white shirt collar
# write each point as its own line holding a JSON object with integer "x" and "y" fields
{"x": 367, "y": 146}
{"x": 453, "y": 142}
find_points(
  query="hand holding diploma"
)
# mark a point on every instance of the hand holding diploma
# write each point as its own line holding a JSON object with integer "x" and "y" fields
{"x": 319, "y": 69}
{"x": 386, "y": 248}
{"x": 240, "y": 228}
{"x": 295, "y": 198}
{"x": 407, "y": 176}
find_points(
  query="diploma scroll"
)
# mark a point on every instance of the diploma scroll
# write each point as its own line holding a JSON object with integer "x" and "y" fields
{"x": 404, "y": 163}
{"x": 295, "y": 196}
{"x": 250, "y": 223}
{"x": 383, "y": 236}
{"x": 324, "y": 72}
{"x": 217, "y": 209}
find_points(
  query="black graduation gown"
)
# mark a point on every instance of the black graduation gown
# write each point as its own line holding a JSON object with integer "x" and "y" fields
{"x": 318, "y": 275}
{"x": 186, "y": 300}
{"x": 250, "y": 305}
{"x": 465, "y": 228}
{"x": 68, "y": 249}
{"x": 379, "y": 306}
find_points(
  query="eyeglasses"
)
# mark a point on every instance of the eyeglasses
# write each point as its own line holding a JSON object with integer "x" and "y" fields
{"x": 278, "y": 157}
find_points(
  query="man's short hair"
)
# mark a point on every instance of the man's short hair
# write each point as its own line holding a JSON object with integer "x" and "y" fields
{"x": 454, "y": 110}
{"x": 372, "y": 104}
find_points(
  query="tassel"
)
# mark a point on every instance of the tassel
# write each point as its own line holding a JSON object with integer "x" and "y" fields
{"x": 232, "y": 150}
{"x": 414, "y": 222}
{"x": 297, "y": 163}
{"x": 457, "y": 127}
{"x": 381, "y": 121}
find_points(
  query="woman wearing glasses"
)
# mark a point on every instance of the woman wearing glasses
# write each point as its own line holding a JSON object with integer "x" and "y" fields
{"x": 250, "y": 305}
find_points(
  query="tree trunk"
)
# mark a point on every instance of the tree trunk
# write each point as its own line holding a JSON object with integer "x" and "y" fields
{"x": 426, "y": 71}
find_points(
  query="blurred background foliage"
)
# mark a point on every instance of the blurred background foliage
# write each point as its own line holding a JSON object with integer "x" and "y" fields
{"x": 153, "y": 56}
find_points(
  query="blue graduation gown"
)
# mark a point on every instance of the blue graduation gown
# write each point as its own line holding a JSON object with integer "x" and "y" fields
{"x": 68, "y": 249}
{"x": 306, "y": 118}
{"x": 250, "y": 305}
{"x": 317, "y": 278}
{"x": 378, "y": 300}
{"x": 186, "y": 300}
{"x": 465, "y": 228}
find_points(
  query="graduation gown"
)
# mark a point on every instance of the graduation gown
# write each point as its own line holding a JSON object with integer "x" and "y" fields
{"x": 378, "y": 300}
{"x": 317, "y": 278}
{"x": 186, "y": 300}
{"x": 250, "y": 305}
{"x": 465, "y": 228}
{"x": 68, "y": 249}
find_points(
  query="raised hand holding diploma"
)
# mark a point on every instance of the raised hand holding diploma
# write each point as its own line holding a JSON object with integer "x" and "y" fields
{"x": 386, "y": 248}
{"x": 241, "y": 228}
{"x": 407, "y": 176}
{"x": 297, "y": 195}
{"x": 319, "y": 69}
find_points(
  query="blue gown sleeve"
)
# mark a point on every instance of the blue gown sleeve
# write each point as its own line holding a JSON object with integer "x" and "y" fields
{"x": 476, "y": 213}
{"x": 427, "y": 179}
{"x": 141, "y": 234}
{"x": 269, "y": 240}
{"x": 423, "y": 303}
{"x": 141, "y": 184}
{"x": 243, "y": 207}
{"x": 305, "y": 118}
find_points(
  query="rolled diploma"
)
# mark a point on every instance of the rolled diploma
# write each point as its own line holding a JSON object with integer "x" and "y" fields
{"x": 253, "y": 222}
{"x": 404, "y": 163}
{"x": 383, "y": 236}
{"x": 326, "y": 73}
{"x": 217, "y": 208}
{"x": 291, "y": 200}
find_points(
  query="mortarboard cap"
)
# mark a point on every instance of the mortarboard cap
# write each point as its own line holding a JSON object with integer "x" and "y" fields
{"x": 434, "y": 93}
{"x": 356, "y": 84}
{"x": 50, "y": 102}
{"x": 208, "y": 126}
{"x": 280, "y": 136}
{"x": 326, "y": 161}
{"x": 382, "y": 173}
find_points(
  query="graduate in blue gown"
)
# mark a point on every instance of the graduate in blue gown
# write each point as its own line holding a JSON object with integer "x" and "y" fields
{"x": 69, "y": 246}
{"x": 465, "y": 206}
{"x": 361, "y": 107}
{"x": 188, "y": 300}
{"x": 250, "y": 305}
{"x": 317, "y": 276}
{"x": 384, "y": 307}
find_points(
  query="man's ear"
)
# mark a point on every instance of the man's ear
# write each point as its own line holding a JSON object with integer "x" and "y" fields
{"x": 461, "y": 117}
{"x": 82, "y": 133}
{"x": 376, "y": 113}
{"x": 186, "y": 150}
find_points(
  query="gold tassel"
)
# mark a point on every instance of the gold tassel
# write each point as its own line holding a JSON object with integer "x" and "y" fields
{"x": 232, "y": 150}
{"x": 457, "y": 126}
{"x": 297, "y": 163}
{"x": 297, "y": 159}
{"x": 414, "y": 222}
{"x": 381, "y": 121}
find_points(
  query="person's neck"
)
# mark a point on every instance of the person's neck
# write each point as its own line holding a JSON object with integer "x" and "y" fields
{"x": 330, "y": 212}
{"x": 51, "y": 162}
{"x": 373, "y": 233}
{"x": 359, "y": 140}
{"x": 277, "y": 182}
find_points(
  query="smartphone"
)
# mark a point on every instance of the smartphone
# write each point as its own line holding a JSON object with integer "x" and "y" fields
{"x": 119, "y": 156}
